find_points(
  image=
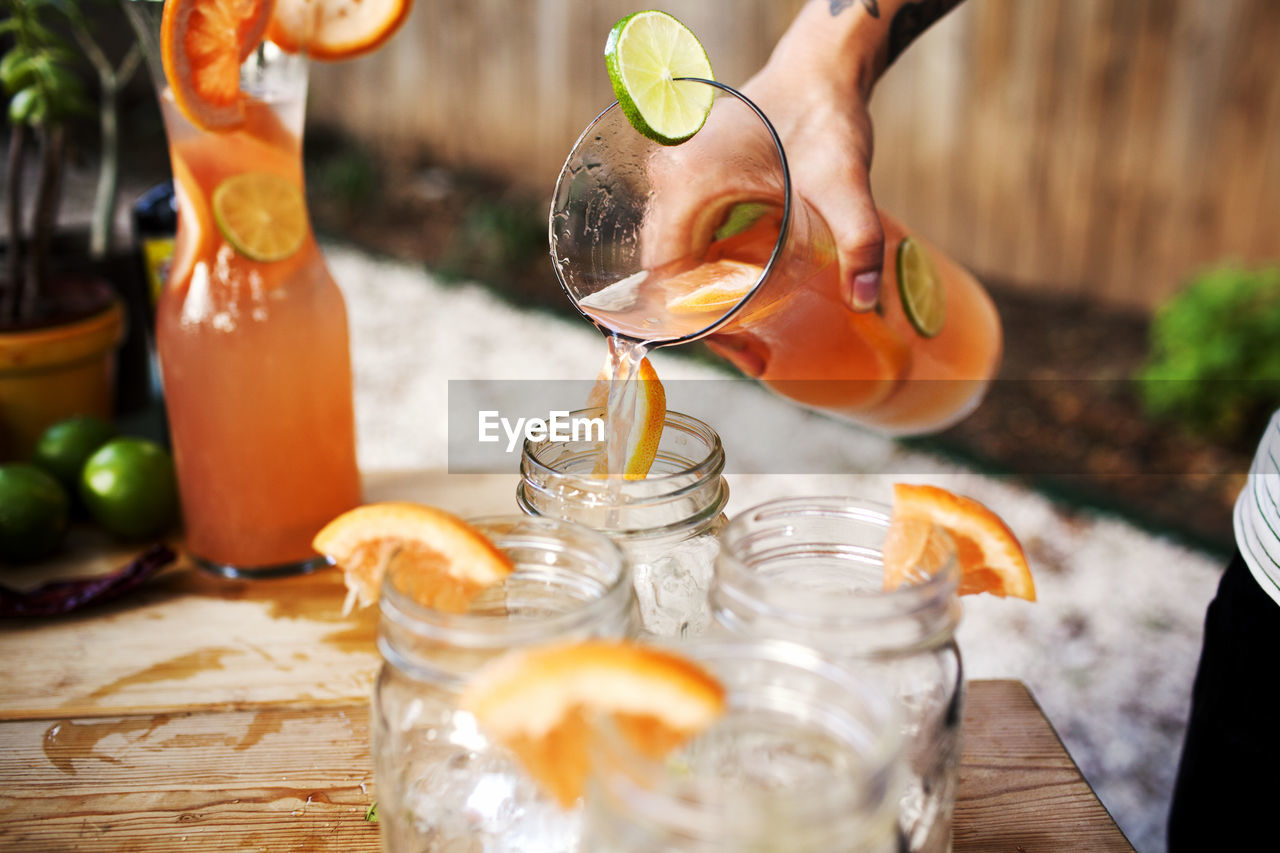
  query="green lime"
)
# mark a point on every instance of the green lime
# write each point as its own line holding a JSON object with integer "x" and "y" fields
{"x": 33, "y": 513}
{"x": 64, "y": 447}
{"x": 645, "y": 52}
{"x": 740, "y": 217}
{"x": 263, "y": 215}
{"x": 920, "y": 286}
{"x": 129, "y": 488}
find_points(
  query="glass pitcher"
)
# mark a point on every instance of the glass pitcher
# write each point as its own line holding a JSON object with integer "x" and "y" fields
{"x": 252, "y": 343}
{"x": 707, "y": 239}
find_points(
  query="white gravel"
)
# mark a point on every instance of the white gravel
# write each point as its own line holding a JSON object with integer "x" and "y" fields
{"x": 1109, "y": 650}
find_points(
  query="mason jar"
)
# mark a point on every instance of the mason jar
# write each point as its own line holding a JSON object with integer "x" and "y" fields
{"x": 806, "y": 759}
{"x": 809, "y": 570}
{"x": 441, "y": 784}
{"x": 666, "y": 523}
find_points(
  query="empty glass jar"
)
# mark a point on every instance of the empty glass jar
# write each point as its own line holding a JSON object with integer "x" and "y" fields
{"x": 442, "y": 786}
{"x": 809, "y": 570}
{"x": 665, "y": 523}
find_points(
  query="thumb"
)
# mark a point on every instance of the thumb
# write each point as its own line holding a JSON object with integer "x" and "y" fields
{"x": 851, "y": 214}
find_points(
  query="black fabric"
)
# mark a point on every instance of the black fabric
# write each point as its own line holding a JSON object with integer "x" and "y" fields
{"x": 1227, "y": 795}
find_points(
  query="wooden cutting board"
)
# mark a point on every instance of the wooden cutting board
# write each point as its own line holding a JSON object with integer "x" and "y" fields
{"x": 187, "y": 640}
{"x": 276, "y": 779}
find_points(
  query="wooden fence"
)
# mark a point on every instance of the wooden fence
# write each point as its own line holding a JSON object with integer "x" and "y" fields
{"x": 1100, "y": 147}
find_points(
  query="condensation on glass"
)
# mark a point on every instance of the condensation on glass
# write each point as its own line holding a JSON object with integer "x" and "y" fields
{"x": 806, "y": 759}
{"x": 665, "y": 523}
{"x": 441, "y": 784}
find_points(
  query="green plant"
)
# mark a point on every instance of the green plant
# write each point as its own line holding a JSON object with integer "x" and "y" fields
{"x": 496, "y": 235}
{"x": 1214, "y": 354}
{"x": 39, "y": 75}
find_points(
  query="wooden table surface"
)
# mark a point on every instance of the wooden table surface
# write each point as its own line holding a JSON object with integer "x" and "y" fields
{"x": 209, "y": 714}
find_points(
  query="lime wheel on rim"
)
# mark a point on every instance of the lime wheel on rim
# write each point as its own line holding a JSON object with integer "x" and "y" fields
{"x": 645, "y": 53}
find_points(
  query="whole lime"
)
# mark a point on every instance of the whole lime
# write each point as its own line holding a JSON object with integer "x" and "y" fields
{"x": 129, "y": 488}
{"x": 33, "y": 513}
{"x": 64, "y": 447}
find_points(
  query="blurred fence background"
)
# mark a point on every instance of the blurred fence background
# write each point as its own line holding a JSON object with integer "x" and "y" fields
{"x": 1102, "y": 147}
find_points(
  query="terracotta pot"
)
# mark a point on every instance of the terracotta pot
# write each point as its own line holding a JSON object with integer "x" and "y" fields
{"x": 53, "y": 373}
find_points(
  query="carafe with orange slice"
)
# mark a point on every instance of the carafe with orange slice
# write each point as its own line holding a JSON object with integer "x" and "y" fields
{"x": 251, "y": 329}
{"x": 455, "y": 596}
{"x": 876, "y": 588}
{"x": 674, "y": 219}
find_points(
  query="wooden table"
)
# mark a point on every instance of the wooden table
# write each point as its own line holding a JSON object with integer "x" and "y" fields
{"x": 206, "y": 714}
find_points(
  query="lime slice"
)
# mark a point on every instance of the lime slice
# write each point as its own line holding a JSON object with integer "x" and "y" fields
{"x": 645, "y": 52}
{"x": 261, "y": 214}
{"x": 920, "y": 287}
{"x": 741, "y": 217}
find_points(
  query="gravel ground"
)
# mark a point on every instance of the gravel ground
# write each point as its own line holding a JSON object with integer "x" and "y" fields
{"x": 1109, "y": 650}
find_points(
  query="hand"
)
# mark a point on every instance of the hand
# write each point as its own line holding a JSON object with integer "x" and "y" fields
{"x": 826, "y": 131}
{"x": 815, "y": 90}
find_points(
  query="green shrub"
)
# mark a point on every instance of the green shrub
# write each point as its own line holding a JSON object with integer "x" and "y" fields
{"x": 1214, "y": 354}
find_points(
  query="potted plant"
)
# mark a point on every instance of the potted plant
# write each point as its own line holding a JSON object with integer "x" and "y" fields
{"x": 59, "y": 326}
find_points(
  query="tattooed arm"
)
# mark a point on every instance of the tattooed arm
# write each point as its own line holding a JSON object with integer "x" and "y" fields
{"x": 815, "y": 87}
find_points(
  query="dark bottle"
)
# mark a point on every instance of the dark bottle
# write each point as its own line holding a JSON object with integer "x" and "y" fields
{"x": 155, "y": 221}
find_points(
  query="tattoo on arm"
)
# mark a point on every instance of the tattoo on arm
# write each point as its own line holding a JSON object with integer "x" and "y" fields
{"x": 838, "y": 6}
{"x": 913, "y": 19}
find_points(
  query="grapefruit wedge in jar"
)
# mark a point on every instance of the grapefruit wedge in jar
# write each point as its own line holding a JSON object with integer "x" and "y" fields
{"x": 991, "y": 558}
{"x": 640, "y": 413}
{"x": 440, "y": 561}
{"x": 543, "y": 704}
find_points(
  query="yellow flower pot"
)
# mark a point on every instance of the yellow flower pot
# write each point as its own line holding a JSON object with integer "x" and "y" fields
{"x": 53, "y": 373}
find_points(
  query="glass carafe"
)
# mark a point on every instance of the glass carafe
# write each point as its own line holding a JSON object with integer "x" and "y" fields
{"x": 253, "y": 352}
{"x": 643, "y": 234}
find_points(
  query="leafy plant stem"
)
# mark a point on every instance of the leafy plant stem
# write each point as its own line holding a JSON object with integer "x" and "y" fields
{"x": 13, "y": 207}
{"x": 110, "y": 81}
{"x": 52, "y": 139}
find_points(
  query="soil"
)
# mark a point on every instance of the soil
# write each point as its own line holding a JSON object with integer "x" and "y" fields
{"x": 1063, "y": 415}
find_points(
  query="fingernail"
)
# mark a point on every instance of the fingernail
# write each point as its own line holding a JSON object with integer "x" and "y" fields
{"x": 865, "y": 291}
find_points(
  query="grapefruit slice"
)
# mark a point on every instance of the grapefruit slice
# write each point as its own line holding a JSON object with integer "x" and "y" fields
{"x": 544, "y": 704}
{"x": 335, "y": 29}
{"x": 202, "y": 43}
{"x": 991, "y": 558}
{"x": 716, "y": 287}
{"x": 192, "y": 240}
{"x": 648, "y": 419}
{"x": 441, "y": 562}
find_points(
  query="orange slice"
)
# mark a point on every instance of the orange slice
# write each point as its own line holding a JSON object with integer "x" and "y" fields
{"x": 650, "y": 415}
{"x": 193, "y": 238}
{"x": 716, "y": 286}
{"x": 991, "y": 558}
{"x": 440, "y": 561}
{"x": 335, "y": 29}
{"x": 202, "y": 43}
{"x": 544, "y": 703}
